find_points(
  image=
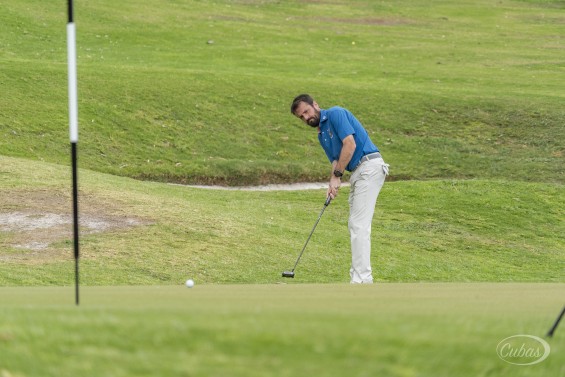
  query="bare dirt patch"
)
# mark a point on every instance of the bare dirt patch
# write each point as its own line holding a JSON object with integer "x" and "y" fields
{"x": 34, "y": 220}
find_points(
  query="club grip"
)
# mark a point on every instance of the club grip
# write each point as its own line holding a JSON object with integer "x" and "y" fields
{"x": 328, "y": 200}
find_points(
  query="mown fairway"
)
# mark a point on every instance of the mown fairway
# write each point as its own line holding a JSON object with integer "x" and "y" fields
{"x": 156, "y": 233}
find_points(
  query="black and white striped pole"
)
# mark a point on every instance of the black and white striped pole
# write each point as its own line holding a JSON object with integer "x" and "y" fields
{"x": 73, "y": 131}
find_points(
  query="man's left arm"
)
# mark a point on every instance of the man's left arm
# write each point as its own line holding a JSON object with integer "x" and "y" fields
{"x": 347, "y": 150}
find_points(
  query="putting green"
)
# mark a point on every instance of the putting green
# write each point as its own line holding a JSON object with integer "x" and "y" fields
{"x": 276, "y": 330}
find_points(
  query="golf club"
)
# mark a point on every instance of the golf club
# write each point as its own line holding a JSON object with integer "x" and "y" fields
{"x": 552, "y": 330}
{"x": 290, "y": 274}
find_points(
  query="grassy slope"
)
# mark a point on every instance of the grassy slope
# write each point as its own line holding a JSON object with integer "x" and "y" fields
{"x": 393, "y": 330}
{"x": 466, "y": 90}
{"x": 445, "y": 230}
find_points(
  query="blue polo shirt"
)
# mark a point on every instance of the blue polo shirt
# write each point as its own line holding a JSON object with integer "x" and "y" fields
{"x": 336, "y": 124}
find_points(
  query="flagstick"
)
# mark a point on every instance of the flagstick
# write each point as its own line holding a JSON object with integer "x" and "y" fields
{"x": 75, "y": 218}
{"x": 73, "y": 132}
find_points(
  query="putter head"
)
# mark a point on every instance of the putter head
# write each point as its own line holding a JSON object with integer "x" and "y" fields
{"x": 288, "y": 274}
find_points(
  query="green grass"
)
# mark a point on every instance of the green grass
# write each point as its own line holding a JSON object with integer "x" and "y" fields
{"x": 448, "y": 90}
{"x": 391, "y": 330}
{"x": 464, "y": 99}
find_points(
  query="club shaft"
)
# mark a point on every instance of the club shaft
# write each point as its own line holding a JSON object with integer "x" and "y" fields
{"x": 310, "y": 236}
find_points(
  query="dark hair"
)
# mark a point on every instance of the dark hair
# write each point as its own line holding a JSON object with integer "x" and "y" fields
{"x": 301, "y": 98}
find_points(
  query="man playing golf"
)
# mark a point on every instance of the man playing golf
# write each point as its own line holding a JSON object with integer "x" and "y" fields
{"x": 349, "y": 147}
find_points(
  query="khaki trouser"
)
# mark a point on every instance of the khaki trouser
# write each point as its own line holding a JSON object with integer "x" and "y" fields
{"x": 366, "y": 183}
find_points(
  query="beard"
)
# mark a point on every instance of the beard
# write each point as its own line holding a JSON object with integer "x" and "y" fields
{"x": 314, "y": 121}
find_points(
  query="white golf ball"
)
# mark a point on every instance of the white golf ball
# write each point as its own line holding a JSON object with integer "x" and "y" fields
{"x": 189, "y": 283}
